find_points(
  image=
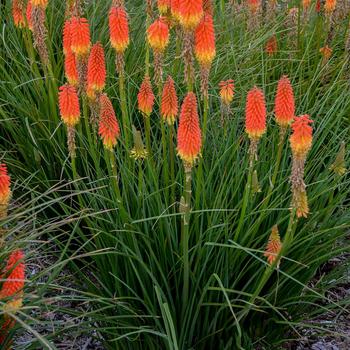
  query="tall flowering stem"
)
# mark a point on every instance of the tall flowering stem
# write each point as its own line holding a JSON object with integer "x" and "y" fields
{"x": 169, "y": 111}
{"x": 80, "y": 45}
{"x": 189, "y": 143}
{"x": 190, "y": 14}
{"x": 284, "y": 116}
{"x": 109, "y": 132}
{"x": 119, "y": 38}
{"x": 205, "y": 52}
{"x": 38, "y": 19}
{"x": 300, "y": 142}
{"x": 145, "y": 99}
{"x": 70, "y": 114}
{"x": 255, "y": 126}
{"x": 158, "y": 40}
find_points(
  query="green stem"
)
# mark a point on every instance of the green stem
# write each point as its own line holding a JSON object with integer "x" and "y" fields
{"x": 205, "y": 116}
{"x": 246, "y": 196}
{"x": 74, "y": 168}
{"x": 147, "y": 120}
{"x": 172, "y": 163}
{"x": 165, "y": 160}
{"x": 185, "y": 232}
{"x": 283, "y": 132}
{"x": 124, "y": 108}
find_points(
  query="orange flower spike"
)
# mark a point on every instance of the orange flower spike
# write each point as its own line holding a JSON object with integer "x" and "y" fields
{"x": 190, "y": 13}
{"x": 205, "y": 41}
{"x": 301, "y": 138}
{"x": 273, "y": 247}
{"x": 271, "y": 46}
{"x": 67, "y": 36}
{"x": 284, "y": 102}
{"x": 118, "y": 29}
{"x": 69, "y": 105}
{"x": 108, "y": 127}
{"x": 255, "y": 123}
{"x": 14, "y": 275}
{"x": 40, "y": 3}
{"x": 70, "y": 67}
{"x": 146, "y": 97}
{"x": 226, "y": 91}
{"x": 5, "y": 187}
{"x": 96, "y": 74}
{"x": 175, "y": 9}
{"x": 330, "y": 6}
{"x": 169, "y": 104}
{"x": 254, "y": 5}
{"x": 17, "y": 14}
{"x": 158, "y": 35}
{"x": 29, "y": 14}
{"x": 80, "y": 36}
{"x": 189, "y": 139}
{"x": 163, "y": 6}
{"x": 326, "y": 52}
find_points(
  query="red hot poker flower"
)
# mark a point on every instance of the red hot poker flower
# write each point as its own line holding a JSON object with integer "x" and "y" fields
{"x": 255, "y": 122}
{"x": 14, "y": 275}
{"x": 80, "y": 36}
{"x": 226, "y": 91}
{"x": 191, "y": 12}
{"x": 189, "y": 139}
{"x": 70, "y": 67}
{"x": 146, "y": 97}
{"x": 17, "y": 14}
{"x": 96, "y": 74}
{"x": 118, "y": 29}
{"x": 169, "y": 105}
{"x": 158, "y": 35}
{"x": 5, "y": 186}
{"x": 108, "y": 127}
{"x": 67, "y": 36}
{"x": 301, "y": 138}
{"x": 284, "y": 102}
{"x": 29, "y": 14}
{"x": 271, "y": 46}
{"x": 205, "y": 41}
{"x": 69, "y": 105}
{"x": 273, "y": 247}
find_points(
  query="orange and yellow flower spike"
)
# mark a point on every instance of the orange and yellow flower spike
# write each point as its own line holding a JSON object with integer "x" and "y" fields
{"x": 169, "y": 104}
{"x": 273, "y": 247}
{"x": 300, "y": 142}
{"x": 189, "y": 139}
{"x": 190, "y": 13}
{"x": 108, "y": 127}
{"x": 146, "y": 97}
{"x": 284, "y": 103}
{"x": 96, "y": 70}
{"x": 119, "y": 29}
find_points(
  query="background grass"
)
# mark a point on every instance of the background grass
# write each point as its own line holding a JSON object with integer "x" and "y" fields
{"x": 129, "y": 264}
